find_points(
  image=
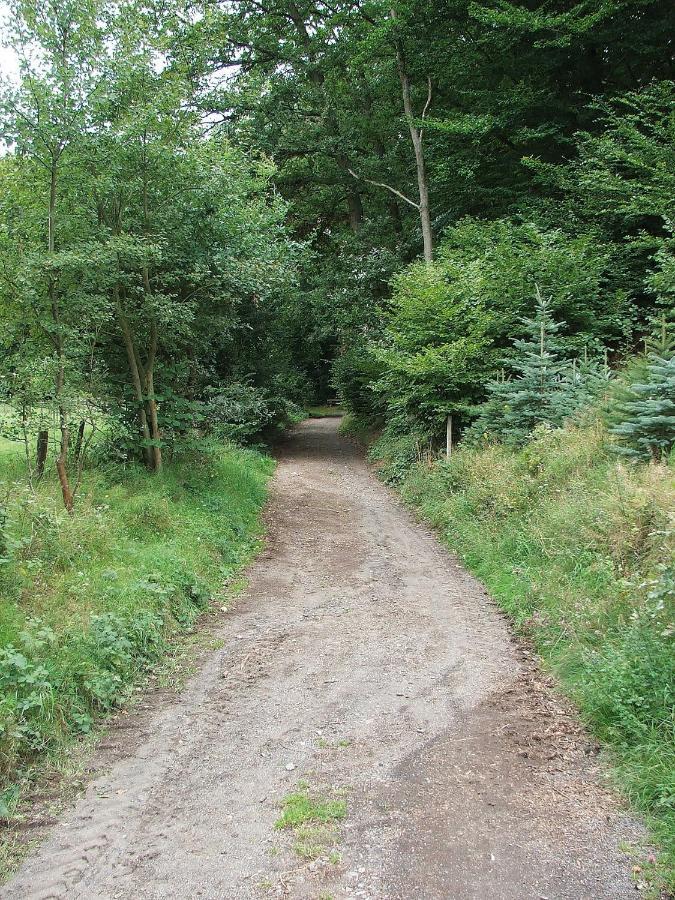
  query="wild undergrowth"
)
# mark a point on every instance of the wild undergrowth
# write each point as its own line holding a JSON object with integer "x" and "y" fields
{"x": 577, "y": 547}
{"x": 90, "y": 601}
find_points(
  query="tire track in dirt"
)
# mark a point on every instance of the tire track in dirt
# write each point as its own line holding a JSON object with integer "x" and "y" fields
{"x": 362, "y": 657}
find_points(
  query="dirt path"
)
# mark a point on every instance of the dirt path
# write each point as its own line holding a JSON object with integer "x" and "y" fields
{"x": 362, "y": 658}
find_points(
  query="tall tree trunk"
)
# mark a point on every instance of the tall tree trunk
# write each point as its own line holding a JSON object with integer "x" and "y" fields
{"x": 51, "y": 220}
{"x": 355, "y": 208}
{"x": 41, "y": 452}
{"x": 416, "y": 137}
{"x": 151, "y": 400}
{"x": 422, "y": 184}
{"x": 136, "y": 381}
{"x": 80, "y": 439}
{"x": 62, "y": 462}
{"x": 62, "y": 458}
{"x": 149, "y": 371}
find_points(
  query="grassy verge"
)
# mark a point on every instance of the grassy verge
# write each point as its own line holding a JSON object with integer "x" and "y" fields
{"x": 90, "y": 602}
{"x": 360, "y": 429}
{"x": 325, "y": 411}
{"x": 578, "y": 549}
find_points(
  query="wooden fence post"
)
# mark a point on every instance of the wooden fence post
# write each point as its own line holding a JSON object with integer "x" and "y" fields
{"x": 448, "y": 438}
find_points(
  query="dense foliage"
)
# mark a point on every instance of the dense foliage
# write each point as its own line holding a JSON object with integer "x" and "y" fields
{"x": 543, "y": 129}
{"x": 543, "y": 388}
{"x": 146, "y": 268}
{"x": 645, "y": 410}
{"x": 205, "y": 206}
{"x": 602, "y": 259}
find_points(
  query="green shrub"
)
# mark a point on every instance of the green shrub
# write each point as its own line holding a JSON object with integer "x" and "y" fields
{"x": 543, "y": 388}
{"x": 242, "y": 412}
{"x": 237, "y": 412}
{"x": 355, "y": 372}
{"x": 395, "y": 454}
{"x": 449, "y": 325}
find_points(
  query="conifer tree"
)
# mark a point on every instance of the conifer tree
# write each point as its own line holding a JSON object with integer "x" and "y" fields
{"x": 584, "y": 380}
{"x": 533, "y": 396}
{"x": 646, "y": 426}
{"x": 545, "y": 387}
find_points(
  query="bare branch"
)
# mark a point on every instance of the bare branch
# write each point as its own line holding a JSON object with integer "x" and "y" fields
{"x": 387, "y": 187}
{"x": 426, "y": 107}
{"x": 428, "y": 103}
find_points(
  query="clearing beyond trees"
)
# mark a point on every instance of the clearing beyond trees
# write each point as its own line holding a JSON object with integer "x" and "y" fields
{"x": 368, "y": 729}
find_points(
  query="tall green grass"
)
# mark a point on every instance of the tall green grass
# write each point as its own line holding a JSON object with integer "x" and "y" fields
{"x": 89, "y": 602}
{"x": 577, "y": 547}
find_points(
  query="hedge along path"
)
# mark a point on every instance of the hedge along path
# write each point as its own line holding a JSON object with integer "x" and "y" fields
{"x": 362, "y": 659}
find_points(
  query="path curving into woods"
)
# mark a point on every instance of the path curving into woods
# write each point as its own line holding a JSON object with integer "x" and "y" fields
{"x": 362, "y": 658}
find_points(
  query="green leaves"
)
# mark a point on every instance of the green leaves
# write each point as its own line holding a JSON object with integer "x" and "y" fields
{"x": 451, "y": 326}
{"x": 135, "y": 247}
{"x": 627, "y": 171}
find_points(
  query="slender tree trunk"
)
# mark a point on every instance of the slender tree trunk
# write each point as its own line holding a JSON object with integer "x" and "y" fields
{"x": 133, "y": 359}
{"x": 136, "y": 381}
{"x": 41, "y": 452}
{"x": 79, "y": 440}
{"x": 355, "y": 208}
{"x": 26, "y": 444}
{"x": 422, "y": 184}
{"x": 151, "y": 400}
{"x": 51, "y": 221}
{"x": 62, "y": 458}
{"x": 149, "y": 371}
{"x": 62, "y": 462}
{"x": 155, "y": 433}
{"x": 416, "y": 137}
